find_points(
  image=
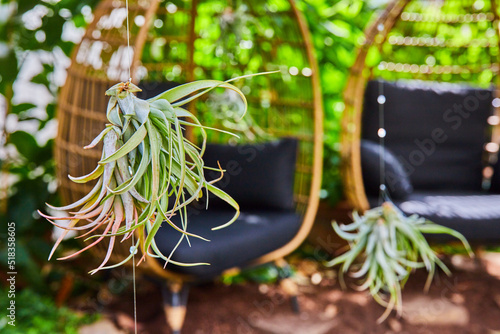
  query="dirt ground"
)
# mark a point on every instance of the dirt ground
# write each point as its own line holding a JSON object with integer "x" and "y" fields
{"x": 467, "y": 302}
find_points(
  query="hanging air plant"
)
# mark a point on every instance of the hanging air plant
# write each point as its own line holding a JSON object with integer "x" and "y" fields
{"x": 228, "y": 108}
{"x": 237, "y": 33}
{"x": 389, "y": 246}
{"x": 149, "y": 171}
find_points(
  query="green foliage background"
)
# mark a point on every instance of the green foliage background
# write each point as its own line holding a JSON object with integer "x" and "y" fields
{"x": 39, "y": 314}
{"x": 337, "y": 28}
{"x": 30, "y": 164}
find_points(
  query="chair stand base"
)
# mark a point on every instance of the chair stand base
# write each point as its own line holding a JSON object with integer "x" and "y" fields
{"x": 288, "y": 286}
{"x": 174, "y": 305}
{"x": 294, "y": 300}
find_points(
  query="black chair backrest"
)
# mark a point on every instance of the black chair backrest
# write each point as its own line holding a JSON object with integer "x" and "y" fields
{"x": 152, "y": 88}
{"x": 436, "y": 130}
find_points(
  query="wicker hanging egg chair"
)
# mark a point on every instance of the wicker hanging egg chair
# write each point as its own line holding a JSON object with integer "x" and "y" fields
{"x": 448, "y": 41}
{"x": 176, "y": 41}
{"x": 426, "y": 81}
{"x": 170, "y": 41}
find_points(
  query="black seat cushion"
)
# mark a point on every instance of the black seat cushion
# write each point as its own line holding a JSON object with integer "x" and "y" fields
{"x": 152, "y": 88}
{"x": 396, "y": 180}
{"x": 258, "y": 176}
{"x": 474, "y": 214}
{"x": 254, "y": 234}
{"x": 436, "y": 130}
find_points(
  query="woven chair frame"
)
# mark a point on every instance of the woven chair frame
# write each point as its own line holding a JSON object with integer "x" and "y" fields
{"x": 100, "y": 61}
{"x": 376, "y": 35}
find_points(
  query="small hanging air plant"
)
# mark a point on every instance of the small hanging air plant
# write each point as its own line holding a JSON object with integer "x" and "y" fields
{"x": 148, "y": 172}
{"x": 238, "y": 28}
{"x": 390, "y": 246}
{"x": 228, "y": 108}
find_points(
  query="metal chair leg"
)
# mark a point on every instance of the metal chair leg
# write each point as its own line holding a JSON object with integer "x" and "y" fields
{"x": 174, "y": 304}
{"x": 288, "y": 285}
{"x": 478, "y": 263}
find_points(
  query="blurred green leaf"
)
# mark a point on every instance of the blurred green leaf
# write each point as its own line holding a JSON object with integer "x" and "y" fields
{"x": 25, "y": 144}
{"x": 8, "y": 64}
{"x": 19, "y": 108}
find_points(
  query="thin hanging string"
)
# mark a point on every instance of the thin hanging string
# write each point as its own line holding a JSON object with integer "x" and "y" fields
{"x": 133, "y": 278}
{"x": 383, "y": 195}
{"x": 128, "y": 46}
{"x": 134, "y": 247}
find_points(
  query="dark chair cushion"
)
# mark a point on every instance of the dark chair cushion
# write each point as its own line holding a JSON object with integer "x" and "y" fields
{"x": 474, "y": 214}
{"x": 436, "y": 130}
{"x": 258, "y": 176}
{"x": 152, "y": 88}
{"x": 396, "y": 180}
{"x": 254, "y": 234}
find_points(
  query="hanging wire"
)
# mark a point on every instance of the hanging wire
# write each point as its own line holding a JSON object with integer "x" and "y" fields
{"x": 134, "y": 249}
{"x": 383, "y": 194}
{"x": 133, "y": 278}
{"x": 128, "y": 46}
